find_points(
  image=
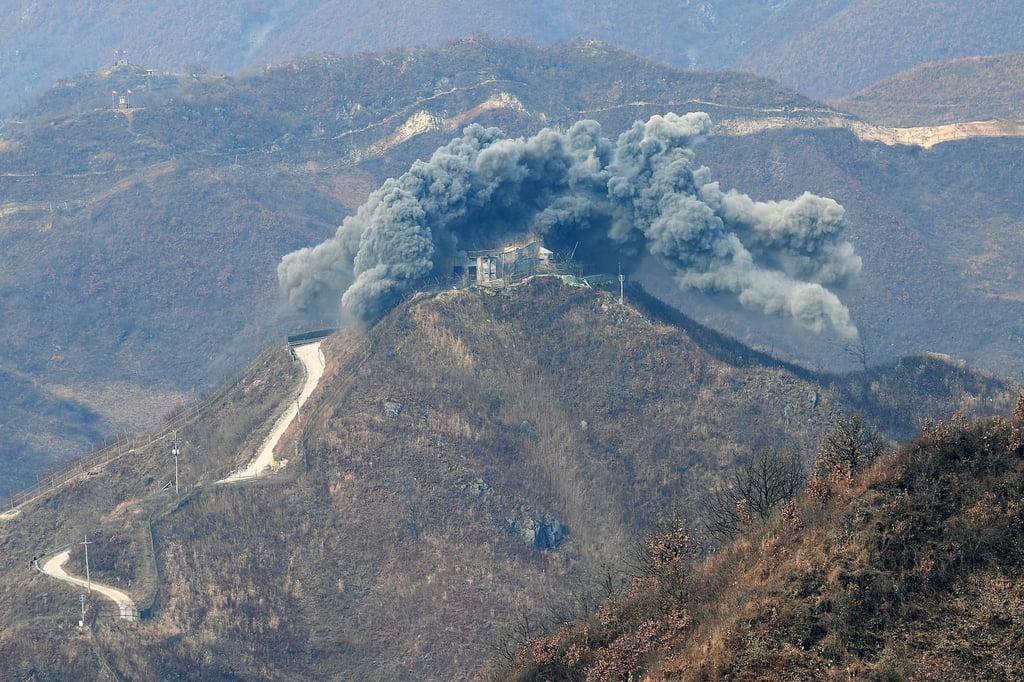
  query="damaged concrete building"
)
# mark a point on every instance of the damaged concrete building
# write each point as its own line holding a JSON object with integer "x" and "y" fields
{"x": 496, "y": 267}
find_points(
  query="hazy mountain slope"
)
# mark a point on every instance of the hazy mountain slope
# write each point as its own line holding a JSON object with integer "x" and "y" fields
{"x": 909, "y": 570}
{"x": 45, "y": 43}
{"x": 972, "y": 89}
{"x": 824, "y": 49}
{"x": 141, "y": 246}
{"x": 947, "y": 211}
{"x": 396, "y": 542}
{"x": 39, "y": 429}
{"x": 705, "y": 35}
{"x": 834, "y": 48}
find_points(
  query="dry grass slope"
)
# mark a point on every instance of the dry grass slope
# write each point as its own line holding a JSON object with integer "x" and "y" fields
{"x": 910, "y": 569}
{"x": 384, "y": 550}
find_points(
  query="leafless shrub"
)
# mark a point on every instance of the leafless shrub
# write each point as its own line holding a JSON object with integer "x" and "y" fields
{"x": 851, "y": 445}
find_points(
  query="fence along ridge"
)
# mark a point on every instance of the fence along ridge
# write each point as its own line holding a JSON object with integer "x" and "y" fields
{"x": 109, "y": 453}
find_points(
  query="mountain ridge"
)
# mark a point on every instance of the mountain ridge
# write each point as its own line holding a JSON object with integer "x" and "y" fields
{"x": 275, "y": 159}
{"x": 405, "y": 522}
{"x": 948, "y": 92}
{"x": 781, "y": 39}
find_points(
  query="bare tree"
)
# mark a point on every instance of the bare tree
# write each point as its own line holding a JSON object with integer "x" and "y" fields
{"x": 752, "y": 492}
{"x": 521, "y": 627}
{"x": 584, "y": 596}
{"x": 859, "y": 350}
{"x": 850, "y": 445}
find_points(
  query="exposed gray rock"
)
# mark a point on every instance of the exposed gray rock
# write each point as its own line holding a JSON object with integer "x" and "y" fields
{"x": 537, "y": 529}
{"x": 476, "y": 488}
{"x": 392, "y": 408}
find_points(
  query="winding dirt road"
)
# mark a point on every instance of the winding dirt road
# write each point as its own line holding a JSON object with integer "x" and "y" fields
{"x": 54, "y": 567}
{"x": 313, "y": 360}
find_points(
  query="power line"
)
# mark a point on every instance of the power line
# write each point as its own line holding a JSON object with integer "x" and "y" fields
{"x": 622, "y": 280}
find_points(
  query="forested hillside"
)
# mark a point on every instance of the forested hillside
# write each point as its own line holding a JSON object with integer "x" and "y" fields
{"x": 473, "y": 458}
{"x": 140, "y": 246}
{"x": 908, "y": 567}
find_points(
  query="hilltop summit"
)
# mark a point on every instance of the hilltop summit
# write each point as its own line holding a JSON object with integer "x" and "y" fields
{"x": 472, "y": 456}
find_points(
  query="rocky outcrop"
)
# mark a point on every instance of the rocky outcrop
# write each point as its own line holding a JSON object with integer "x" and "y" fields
{"x": 538, "y": 529}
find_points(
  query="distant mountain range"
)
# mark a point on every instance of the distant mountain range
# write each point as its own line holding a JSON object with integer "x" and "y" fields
{"x": 825, "y": 49}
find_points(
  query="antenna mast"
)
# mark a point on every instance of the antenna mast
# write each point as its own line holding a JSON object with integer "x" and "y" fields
{"x": 622, "y": 280}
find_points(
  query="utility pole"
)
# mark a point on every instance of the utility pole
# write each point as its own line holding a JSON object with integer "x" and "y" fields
{"x": 622, "y": 280}
{"x": 88, "y": 580}
{"x": 81, "y": 598}
{"x": 174, "y": 449}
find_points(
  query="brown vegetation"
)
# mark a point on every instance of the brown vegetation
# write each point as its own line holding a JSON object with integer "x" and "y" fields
{"x": 388, "y": 546}
{"x": 955, "y": 91}
{"x": 865, "y": 576}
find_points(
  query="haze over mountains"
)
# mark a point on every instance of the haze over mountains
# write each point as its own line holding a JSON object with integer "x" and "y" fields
{"x": 824, "y": 49}
{"x": 477, "y": 456}
{"x": 130, "y": 238}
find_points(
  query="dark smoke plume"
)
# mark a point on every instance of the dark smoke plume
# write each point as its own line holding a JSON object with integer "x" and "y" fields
{"x": 641, "y": 193}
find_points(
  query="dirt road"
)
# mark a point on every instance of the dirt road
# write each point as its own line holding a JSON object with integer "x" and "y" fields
{"x": 313, "y": 360}
{"x": 54, "y": 567}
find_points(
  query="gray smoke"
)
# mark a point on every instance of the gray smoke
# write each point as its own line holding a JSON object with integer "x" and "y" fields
{"x": 641, "y": 193}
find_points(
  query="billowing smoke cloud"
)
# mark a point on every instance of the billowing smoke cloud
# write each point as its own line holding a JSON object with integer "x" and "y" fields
{"x": 643, "y": 192}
